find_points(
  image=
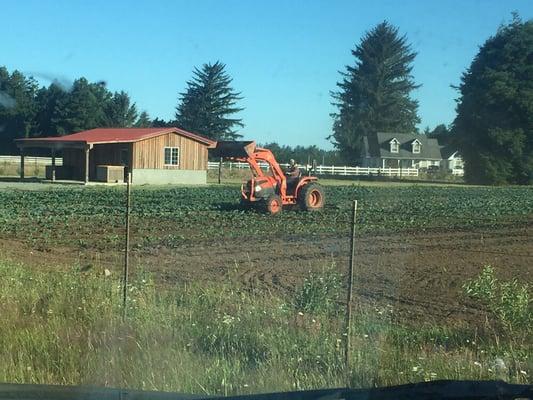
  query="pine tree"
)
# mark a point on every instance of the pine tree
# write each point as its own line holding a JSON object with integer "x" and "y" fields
{"x": 17, "y": 107}
{"x": 374, "y": 94}
{"x": 494, "y": 123}
{"x": 208, "y": 103}
{"x": 48, "y": 108}
{"x": 83, "y": 108}
{"x": 119, "y": 112}
{"x": 143, "y": 121}
{"x": 161, "y": 123}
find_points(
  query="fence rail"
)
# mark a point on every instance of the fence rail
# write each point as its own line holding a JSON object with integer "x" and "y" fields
{"x": 31, "y": 160}
{"x": 330, "y": 170}
{"x": 320, "y": 169}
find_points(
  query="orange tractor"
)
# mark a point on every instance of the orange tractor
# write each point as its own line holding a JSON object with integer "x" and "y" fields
{"x": 273, "y": 189}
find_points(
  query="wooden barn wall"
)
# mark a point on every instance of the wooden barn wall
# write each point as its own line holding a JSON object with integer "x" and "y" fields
{"x": 74, "y": 161}
{"x": 150, "y": 153}
{"x": 100, "y": 154}
{"x": 107, "y": 154}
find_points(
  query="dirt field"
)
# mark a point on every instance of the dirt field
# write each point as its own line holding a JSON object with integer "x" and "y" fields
{"x": 418, "y": 275}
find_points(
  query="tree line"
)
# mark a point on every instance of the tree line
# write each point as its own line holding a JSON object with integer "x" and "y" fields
{"x": 30, "y": 110}
{"x": 493, "y": 128}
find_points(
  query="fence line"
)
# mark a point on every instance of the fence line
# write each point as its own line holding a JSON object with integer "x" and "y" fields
{"x": 331, "y": 169}
{"x": 31, "y": 160}
{"x": 320, "y": 169}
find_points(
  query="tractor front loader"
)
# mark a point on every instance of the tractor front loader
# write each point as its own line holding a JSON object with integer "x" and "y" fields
{"x": 271, "y": 190}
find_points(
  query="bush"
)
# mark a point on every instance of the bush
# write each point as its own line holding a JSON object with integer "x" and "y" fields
{"x": 319, "y": 292}
{"x": 509, "y": 301}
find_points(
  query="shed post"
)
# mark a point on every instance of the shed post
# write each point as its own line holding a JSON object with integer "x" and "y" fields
{"x": 53, "y": 164}
{"x": 22, "y": 163}
{"x": 87, "y": 149}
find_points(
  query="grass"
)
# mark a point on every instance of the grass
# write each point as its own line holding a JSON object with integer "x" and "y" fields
{"x": 66, "y": 328}
{"x": 9, "y": 169}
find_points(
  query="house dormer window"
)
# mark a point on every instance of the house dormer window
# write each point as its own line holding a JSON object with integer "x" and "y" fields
{"x": 416, "y": 146}
{"x": 394, "y": 146}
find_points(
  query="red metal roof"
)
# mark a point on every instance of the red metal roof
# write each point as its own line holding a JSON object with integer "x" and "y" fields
{"x": 117, "y": 135}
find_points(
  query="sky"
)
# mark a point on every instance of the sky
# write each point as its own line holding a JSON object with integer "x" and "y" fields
{"x": 284, "y": 56}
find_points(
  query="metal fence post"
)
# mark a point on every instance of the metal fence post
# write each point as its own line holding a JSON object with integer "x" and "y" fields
{"x": 126, "y": 248}
{"x": 350, "y": 289}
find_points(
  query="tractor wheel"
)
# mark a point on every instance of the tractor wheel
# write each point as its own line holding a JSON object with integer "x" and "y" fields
{"x": 273, "y": 204}
{"x": 311, "y": 197}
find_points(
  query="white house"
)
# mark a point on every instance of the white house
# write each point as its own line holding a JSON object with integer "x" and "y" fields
{"x": 400, "y": 150}
{"x": 408, "y": 150}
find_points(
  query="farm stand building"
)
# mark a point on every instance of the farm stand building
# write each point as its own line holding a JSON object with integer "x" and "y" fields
{"x": 152, "y": 155}
{"x": 404, "y": 150}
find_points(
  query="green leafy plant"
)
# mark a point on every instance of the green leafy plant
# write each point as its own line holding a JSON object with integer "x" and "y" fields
{"x": 319, "y": 292}
{"x": 510, "y": 301}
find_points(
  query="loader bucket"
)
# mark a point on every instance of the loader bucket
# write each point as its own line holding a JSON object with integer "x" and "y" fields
{"x": 234, "y": 149}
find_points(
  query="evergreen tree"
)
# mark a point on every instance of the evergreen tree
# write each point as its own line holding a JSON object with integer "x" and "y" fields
{"x": 161, "y": 123}
{"x": 443, "y": 135}
{"x": 374, "y": 94}
{"x": 119, "y": 112}
{"x": 494, "y": 123}
{"x": 208, "y": 104}
{"x": 17, "y": 107}
{"x": 49, "y": 101}
{"x": 143, "y": 121}
{"x": 82, "y": 109}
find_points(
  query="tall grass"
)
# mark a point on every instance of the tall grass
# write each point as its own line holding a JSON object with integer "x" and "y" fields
{"x": 10, "y": 169}
{"x": 66, "y": 328}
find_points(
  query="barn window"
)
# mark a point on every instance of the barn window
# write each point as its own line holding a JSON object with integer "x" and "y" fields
{"x": 172, "y": 156}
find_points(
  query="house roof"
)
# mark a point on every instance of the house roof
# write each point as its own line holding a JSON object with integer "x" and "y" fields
{"x": 448, "y": 151}
{"x": 111, "y": 135}
{"x": 378, "y": 145}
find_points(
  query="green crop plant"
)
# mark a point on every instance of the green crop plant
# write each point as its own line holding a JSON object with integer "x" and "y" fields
{"x": 171, "y": 216}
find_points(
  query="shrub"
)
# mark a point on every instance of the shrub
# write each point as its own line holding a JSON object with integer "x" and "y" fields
{"x": 509, "y": 301}
{"x": 319, "y": 292}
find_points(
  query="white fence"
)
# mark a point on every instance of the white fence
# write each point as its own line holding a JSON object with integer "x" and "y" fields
{"x": 320, "y": 169}
{"x": 458, "y": 171}
{"x": 30, "y": 160}
{"x": 331, "y": 170}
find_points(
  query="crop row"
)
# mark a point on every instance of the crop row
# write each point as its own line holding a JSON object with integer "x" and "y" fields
{"x": 182, "y": 214}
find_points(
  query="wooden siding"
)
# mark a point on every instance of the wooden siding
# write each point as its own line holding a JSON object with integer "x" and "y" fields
{"x": 74, "y": 163}
{"x": 100, "y": 154}
{"x": 107, "y": 154}
{"x": 150, "y": 153}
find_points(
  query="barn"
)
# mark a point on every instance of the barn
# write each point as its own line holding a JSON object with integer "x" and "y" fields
{"x": 152, "y": 155}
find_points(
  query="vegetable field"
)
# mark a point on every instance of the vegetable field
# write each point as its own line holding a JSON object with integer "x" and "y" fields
{"x": 169, "y": 217}
{"x": 416, "y": 245}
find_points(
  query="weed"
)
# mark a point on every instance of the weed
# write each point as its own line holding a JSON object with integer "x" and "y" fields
{"x": 509, "y": 301}
{"x": 319, "y": 292}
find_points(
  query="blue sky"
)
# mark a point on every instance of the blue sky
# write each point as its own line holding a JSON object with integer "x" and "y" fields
{"x": 284, "y": 56}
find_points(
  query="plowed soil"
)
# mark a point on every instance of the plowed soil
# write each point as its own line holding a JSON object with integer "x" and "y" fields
{"x": 417, "y": 274}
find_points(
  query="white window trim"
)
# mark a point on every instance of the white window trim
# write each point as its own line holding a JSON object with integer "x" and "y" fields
{"x": 171, "y": 150}
{"x": 414, "y": 144}
{"x": 396, "y": 143}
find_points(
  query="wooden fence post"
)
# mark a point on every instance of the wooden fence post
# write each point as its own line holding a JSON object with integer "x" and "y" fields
{"x": 22, "y": 163}
{"x": 220, "y": 170}
{"x": 350, "y": 289}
